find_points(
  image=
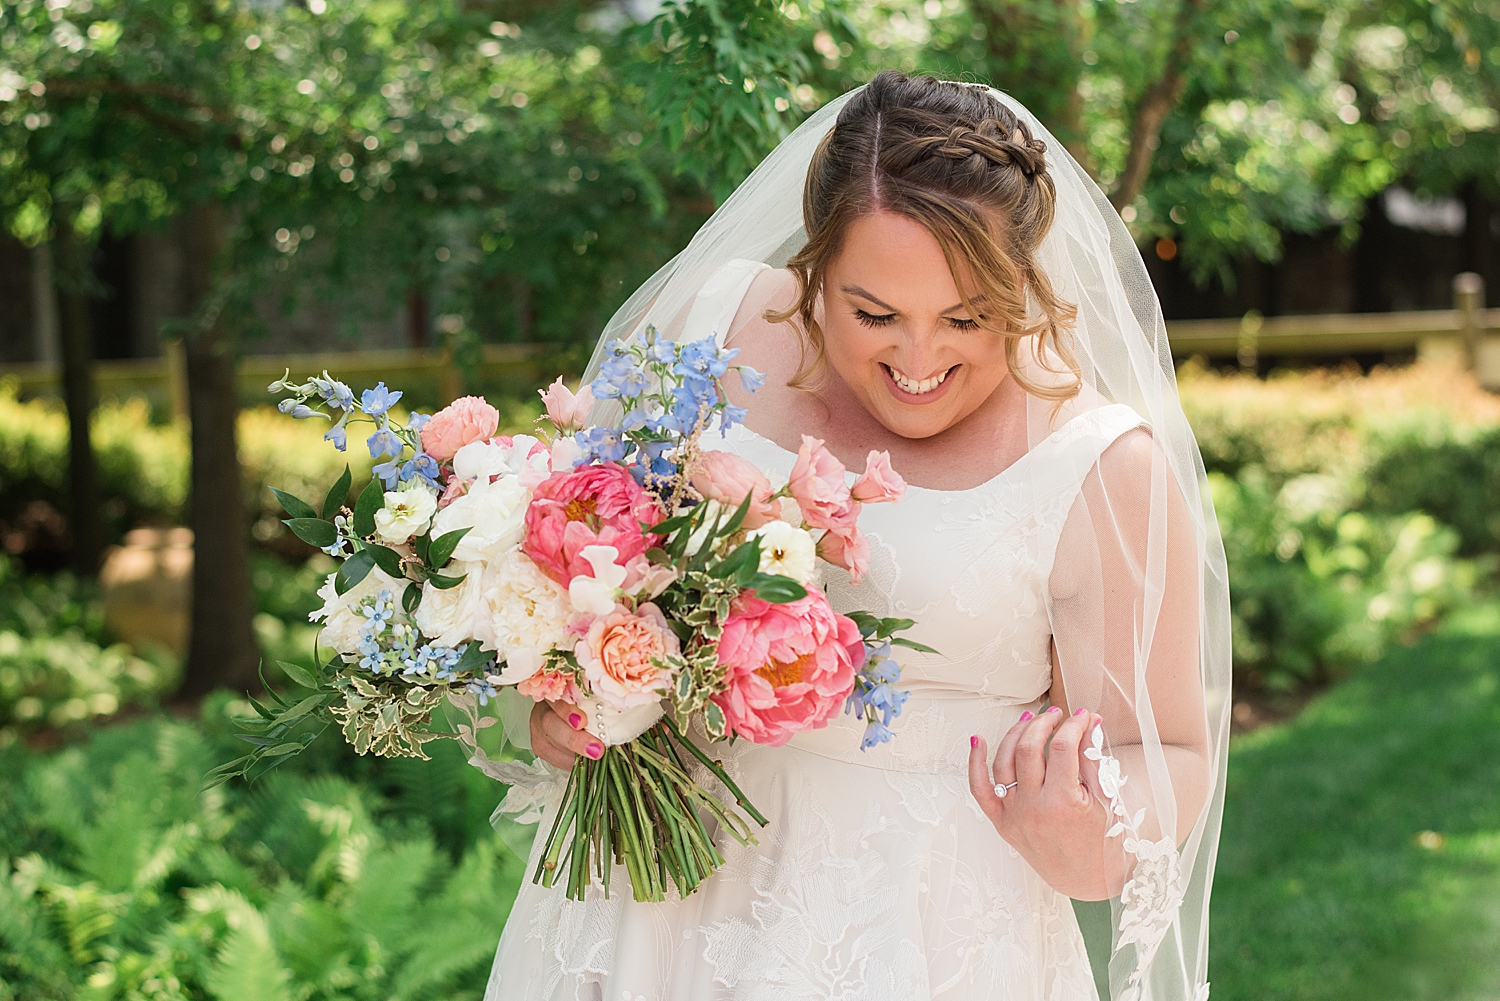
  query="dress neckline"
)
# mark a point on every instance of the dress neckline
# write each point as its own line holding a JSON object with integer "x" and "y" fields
{"x": 1007, "y": 471}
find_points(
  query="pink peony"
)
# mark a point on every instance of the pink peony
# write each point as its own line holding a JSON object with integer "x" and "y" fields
{"x": 623, "y": 657}
{"x": 848, "y": 549}
{"x": 466, "y": 419}
{"x": 728, "y": 479}
{"x": 879, "y": 483}
{"x": 817, "y": 484}
{"x": 789, "y": 667}
{"x": 590, "y": 506}
{"x": 551, "y": 686}
{"x": 566, "y": 411}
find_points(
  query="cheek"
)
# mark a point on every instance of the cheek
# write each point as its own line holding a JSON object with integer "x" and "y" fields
{"x": 849, "y": 345}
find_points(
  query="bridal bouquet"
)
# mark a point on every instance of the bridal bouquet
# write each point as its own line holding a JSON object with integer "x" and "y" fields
{"x": 657, "y": 584}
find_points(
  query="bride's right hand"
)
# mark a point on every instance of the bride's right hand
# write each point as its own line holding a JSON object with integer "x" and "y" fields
{"x": 558, "y": 734}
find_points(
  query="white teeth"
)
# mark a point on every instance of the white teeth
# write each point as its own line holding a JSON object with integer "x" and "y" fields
{"x": 916, "y": 387}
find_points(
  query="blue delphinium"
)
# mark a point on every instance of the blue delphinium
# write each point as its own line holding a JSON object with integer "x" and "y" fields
{"x": 378, "y": 400}
{"x": 385, "y": 442}
{"x": 875, "y": 696}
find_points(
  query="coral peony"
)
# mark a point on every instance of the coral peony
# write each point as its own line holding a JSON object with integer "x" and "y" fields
{"x": 590, "y": 506}
{"x": 879, "y": 483}
{"x": 728, "y": 479}
{"x": 551, "y": 686}
{"x": 789, "y": 667}
{"x": 817, "y": 483}
{"x": 466, "y": 419}
{"x": 623, "y": 657}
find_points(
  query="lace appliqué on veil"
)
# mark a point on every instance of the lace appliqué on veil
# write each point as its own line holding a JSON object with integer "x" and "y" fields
{"x": 1151, "y": 897}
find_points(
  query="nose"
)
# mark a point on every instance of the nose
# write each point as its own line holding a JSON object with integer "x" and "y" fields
{"x": 917, "y": 350}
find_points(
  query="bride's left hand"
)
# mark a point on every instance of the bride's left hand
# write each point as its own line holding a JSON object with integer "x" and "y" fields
{"x": 1052, "y": 815}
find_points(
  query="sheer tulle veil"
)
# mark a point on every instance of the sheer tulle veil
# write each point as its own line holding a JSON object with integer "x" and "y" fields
{"x": 1155, "y": 661}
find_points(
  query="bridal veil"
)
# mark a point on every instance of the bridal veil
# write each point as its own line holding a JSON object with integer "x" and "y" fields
{"x": 1151, "y": 651}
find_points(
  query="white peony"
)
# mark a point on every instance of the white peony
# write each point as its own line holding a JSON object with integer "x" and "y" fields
{"x": 341, "y": 618}
{"x": 522, "y": 614}
{"x": 494, "y": 513}
{"x": 446, "y": 615}
{"x": 787, "y": 550}
{"x": 484, "y": 459}
{"x": 406, "y": 513}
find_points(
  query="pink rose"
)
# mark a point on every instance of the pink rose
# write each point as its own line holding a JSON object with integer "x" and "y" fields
{"x": 456, "y": 488}
{"x": 848, "y": 549}
{"x": 624, "y": 657}
{"x": 566, "y": 411}
{"x": 590, "y": 506}
{"x": 728, "y": 479}
{"x": 879, "y": 483}
{"x": 466, "y": 419}
{"x": 817, "y": 484}
{"x": 789, "y": 667}
{"x": 551, "y": 686}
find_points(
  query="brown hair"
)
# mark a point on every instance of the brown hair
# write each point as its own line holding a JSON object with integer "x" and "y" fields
{"x": 959, "y": 162}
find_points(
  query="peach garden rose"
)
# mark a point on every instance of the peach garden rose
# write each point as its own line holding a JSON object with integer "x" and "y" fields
{"x": 623, "y": 656}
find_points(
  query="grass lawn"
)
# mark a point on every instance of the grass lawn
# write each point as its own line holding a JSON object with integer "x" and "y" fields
{"x": 1361, "y": 849}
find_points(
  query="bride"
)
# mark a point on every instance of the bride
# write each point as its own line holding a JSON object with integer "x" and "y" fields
{"x": 952, "y": 288}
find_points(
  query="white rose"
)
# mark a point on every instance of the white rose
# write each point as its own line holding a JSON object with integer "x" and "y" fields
{"x": 406, "y": 513}
{"x": 479, "y": 458}
{"x": 787, "y": 550}
{"x": 446, "y": 615}
{"x": 494, "y": 513}
{"x": 341, "y": 618}
{"x": 522, "y": 614}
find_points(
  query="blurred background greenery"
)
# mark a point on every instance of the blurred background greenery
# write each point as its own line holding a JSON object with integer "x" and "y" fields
{"x": 463, "y": 191}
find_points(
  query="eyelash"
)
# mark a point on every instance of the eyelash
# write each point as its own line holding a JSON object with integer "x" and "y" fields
{"x": 886, "y": 319}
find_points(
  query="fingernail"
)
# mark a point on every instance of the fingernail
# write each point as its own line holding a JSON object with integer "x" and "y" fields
{"x": 574, "y": 719}
{"x": 1028, "y": 714}
{"x": 1079, "y": 712}
{"x": 1054, "y": 709}
{"x": 973, "y": 741}
{"x": 595, "y": 751}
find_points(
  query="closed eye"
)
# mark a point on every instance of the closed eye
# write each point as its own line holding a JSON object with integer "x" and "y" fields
{"x": 963, "y": 323}
{"x": 874, "y": 319}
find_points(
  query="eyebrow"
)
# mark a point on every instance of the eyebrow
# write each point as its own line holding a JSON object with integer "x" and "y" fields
{"x": 856, "y": 290}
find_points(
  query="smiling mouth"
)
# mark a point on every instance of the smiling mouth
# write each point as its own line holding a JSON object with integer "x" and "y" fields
{"x": 917, "y": 387}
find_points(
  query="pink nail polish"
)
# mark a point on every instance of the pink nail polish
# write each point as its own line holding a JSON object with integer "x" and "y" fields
{"x": 973, "y": 741}
{"x": 1028, "y": 714}
{"x": 1054, "y": 709}
{"x": 595, "y": 751}
{"x": 574, "y": 719}
{"x": 1079, "y": 712}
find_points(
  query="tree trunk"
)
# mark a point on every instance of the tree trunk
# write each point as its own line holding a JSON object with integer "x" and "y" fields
{"x": 73, "y": 279}
{"x": 1155, "y": 104}
{"x": 1035, "y": 56}
{"x": 222, "y": 651}
{"x": 1479, "y": 239}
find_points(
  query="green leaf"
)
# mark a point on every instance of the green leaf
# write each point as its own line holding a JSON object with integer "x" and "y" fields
{"x": 745, "y": 556}
{"x": 411, "y": 597}
{"x": 474, "y": 657}
{"x": 776, "y": 589}
{"x": 444, "y": 583}
{"x": 442, "y": 547}
{"x": 386, "y": 559}
{"x": 421, "y": 544}
{"x": 371, "y": 499}
{"x": 300, "y": 674}
{"x": 888, "y": 626}
{"x": 302, "y": 708}
{"x": 912, "y": 645}
{"x": 714, "y": 721}
{"x": 355, "y": 569}
{"x": 337, "y": 494}
{"x": 313, "y": 531}
{"x": 739, "y": 516}
{"x": 867, "y": 623}
{"x": 666, "y": 527}
{"x": 294, "y": 506}
{"x": 291, "y": 747}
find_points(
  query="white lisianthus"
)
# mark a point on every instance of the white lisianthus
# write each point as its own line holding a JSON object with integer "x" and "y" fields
{"x": 522, "y": 614}
{"x": 787, "y": 550}
{"x": 446, "y": 615}
{"x": 493, "y": 512}
{"x": 340, "y": 615}
{"x": 407, "y": 512}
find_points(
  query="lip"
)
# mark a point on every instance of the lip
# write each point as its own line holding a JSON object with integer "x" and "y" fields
{"x": 914, "y": 399}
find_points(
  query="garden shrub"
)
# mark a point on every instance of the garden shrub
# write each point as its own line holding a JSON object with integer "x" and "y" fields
{"x": 119, "y": 878}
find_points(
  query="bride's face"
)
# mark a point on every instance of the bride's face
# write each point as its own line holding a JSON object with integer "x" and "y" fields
{"x": 896, "y": 332}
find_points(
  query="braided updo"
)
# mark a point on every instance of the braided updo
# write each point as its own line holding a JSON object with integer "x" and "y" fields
{"x": 959, "y": 162}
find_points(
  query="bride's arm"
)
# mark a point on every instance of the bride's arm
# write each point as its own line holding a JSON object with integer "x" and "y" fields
{"x": 1126, "y": 605}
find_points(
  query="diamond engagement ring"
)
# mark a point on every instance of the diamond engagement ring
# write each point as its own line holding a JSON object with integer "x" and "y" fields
{"x": 1002, "y": 788}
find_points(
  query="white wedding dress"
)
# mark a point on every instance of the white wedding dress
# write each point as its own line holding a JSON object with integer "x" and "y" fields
{"x": 878, "y": 878}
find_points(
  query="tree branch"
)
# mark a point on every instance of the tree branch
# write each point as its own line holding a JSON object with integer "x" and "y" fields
{"x": 1156, "y": 103}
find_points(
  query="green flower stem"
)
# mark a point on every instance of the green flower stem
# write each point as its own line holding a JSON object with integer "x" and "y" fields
{"x": 718, "y": 771}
